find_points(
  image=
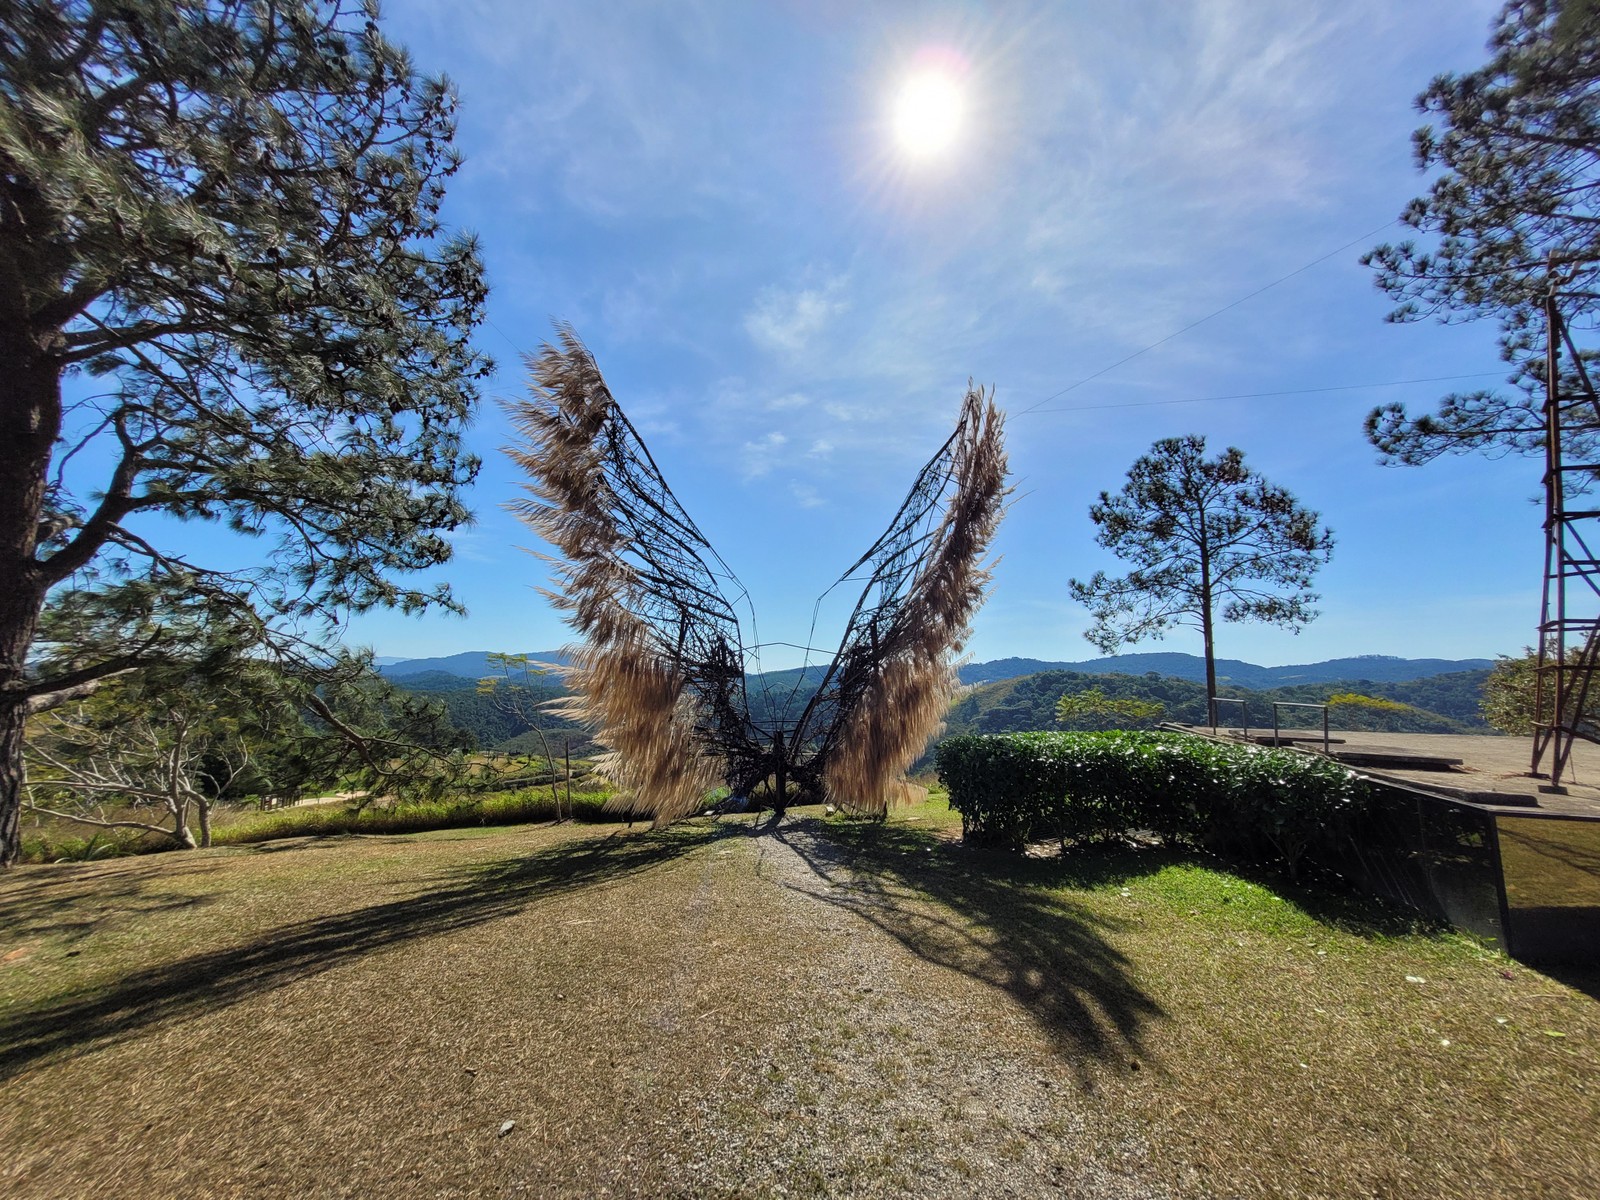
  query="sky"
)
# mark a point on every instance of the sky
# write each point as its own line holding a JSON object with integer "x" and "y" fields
{"x": 788, "y": 298}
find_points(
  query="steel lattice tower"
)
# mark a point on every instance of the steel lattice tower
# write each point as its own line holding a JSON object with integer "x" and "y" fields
{"x": 1569, "y": 622}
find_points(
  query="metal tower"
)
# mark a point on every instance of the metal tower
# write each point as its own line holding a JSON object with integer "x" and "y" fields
{"x": 1569, "y": 623}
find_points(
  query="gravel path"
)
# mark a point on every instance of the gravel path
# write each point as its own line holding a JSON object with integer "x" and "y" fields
{"x": 894, "y": 1075}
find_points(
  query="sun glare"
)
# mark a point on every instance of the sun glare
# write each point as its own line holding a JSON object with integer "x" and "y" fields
{"x": 927, "y": 113}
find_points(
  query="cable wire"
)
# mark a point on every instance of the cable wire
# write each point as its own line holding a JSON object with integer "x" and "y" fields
{"x": 1193, "y": 324}
{"x": 1344, "y": 387}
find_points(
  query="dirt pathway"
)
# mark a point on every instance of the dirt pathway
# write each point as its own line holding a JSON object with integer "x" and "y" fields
{"x": 892, "y": 1073}
{"x": 697, "y": 1013}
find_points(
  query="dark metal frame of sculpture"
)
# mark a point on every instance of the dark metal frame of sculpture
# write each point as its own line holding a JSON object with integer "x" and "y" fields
{"x": 661, "y": 673}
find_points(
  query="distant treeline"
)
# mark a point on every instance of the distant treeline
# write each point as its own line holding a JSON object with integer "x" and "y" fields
{"x": 1438, "y": 704}
{"x": 496, "y": 724}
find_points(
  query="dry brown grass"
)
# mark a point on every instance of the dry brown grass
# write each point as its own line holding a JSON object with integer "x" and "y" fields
{"x": 697, "y": 1011}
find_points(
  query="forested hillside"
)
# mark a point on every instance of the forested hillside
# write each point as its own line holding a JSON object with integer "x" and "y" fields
{"x": 489, "y": 718}
{"x": 1446, "y": 703}
{"x": 1440, "y": 704}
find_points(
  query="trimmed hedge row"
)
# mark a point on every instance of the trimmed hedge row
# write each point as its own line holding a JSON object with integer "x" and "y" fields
{"x": 1015, "y": 788}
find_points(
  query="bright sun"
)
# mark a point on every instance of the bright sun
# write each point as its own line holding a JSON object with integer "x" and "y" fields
{"x": 927, "y": 113}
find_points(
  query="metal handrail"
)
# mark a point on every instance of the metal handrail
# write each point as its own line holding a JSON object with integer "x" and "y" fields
{"x": 1277, "y": 704}
{"x": 1244, "y": 711}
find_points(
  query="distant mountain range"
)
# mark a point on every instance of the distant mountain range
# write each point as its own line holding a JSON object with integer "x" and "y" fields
{"x": 1378, "y": 668}
{"x": 470, "y": 664}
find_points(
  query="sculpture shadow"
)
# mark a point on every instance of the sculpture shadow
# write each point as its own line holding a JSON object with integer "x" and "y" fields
{"x": 215, "y": 979}
{"x": 992, "y": 921}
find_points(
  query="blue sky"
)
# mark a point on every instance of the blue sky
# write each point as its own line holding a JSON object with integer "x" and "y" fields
{"x": 789, "y": 305}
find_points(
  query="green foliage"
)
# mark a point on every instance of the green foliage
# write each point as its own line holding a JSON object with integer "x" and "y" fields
{"x": 1030, "y": 702}
{"x": 1437, "y": 704}
{"x": 1352, "y": 710}
{"x": 1513, "y": 153}
{"x": 509, "y": 710}
{"x": 1206, "y": 538}
{"x": 1091, "y": 708}
{"x": 1265, "y": 805}
{"x": 1510, "y": 693}
{"x": 1355, "y": 700}
{"x": 222, "y": 226}
{"x": 502, "y": 808}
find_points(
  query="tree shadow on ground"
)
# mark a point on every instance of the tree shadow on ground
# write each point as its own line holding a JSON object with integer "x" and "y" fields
{"x": 214, "y": 979}
{"x": 992, "y": 922}
{"x": 54, "y": 905}
{"x": 1578, "y": 977}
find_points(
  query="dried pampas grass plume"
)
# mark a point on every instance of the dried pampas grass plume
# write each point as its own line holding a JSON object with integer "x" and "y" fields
{"x": 659, "y": 675}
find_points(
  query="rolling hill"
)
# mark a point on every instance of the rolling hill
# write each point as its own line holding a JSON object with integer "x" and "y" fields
{"x": 1375, "y": 668}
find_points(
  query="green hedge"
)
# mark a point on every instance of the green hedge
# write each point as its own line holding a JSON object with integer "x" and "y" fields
{"x": 1265, "y": 805}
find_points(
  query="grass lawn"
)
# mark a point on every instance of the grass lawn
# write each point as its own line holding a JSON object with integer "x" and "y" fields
{"x": 830, "y": 1008}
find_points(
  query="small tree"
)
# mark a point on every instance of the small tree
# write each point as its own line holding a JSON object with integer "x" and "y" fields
{"x": 227, "y": 296}
{"x": 1093, "y": 709}
{"x": 1511, "y": 691}
{"x": 153, "y": 751}
{"x": 1514, "y": 148}
{"x": 1508, "y": 693}
{"x": 1200, "y": 532}
{"x": 156, "y": 748}
{"x": 513, "y": 692}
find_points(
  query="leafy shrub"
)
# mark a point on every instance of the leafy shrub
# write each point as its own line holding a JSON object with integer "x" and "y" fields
{"x": 1258, "y": 804}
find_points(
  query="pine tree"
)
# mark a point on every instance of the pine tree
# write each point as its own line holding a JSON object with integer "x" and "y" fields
{"x": 1200, "y": 533}
{"x": 225, "y": 295}
{"x": 1513, "y": 210}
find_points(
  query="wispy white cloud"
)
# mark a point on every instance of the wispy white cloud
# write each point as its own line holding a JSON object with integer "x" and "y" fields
{"x": 759, "y": 457}
{"x": 473, "y": 546}
{"x": 806, "y": 496}
{"x": 786, "y": 321}
{"x": 690, "y": 185}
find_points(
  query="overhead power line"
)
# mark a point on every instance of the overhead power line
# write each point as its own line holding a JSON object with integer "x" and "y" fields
{"x": 1343, "y": 387}
{"x": 1371, "y": 233}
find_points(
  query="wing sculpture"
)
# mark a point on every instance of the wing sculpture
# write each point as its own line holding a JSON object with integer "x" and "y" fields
{"x": 660, "y": 674}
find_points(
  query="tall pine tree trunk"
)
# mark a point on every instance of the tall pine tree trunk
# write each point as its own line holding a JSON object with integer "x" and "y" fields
{"x": 1205, "y": 621}
{"x": 30, "y": 419}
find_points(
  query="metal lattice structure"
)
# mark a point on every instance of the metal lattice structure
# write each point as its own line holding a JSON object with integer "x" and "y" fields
{"x": 1569, "y": 622}
{"x": 661, "y": 672}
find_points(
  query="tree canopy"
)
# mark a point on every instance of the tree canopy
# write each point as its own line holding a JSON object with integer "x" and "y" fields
{"x": 226, "y": 295}
{"x": 1200, "y": 533}
{"x": 1091, "y": 708}
{"x": 1513, "y": 210}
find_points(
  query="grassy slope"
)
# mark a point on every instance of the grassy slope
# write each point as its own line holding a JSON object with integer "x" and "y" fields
{"x": 849, "y": 1009}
